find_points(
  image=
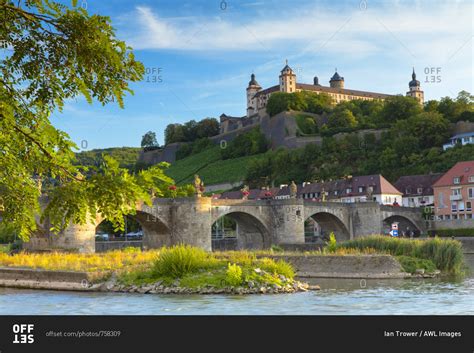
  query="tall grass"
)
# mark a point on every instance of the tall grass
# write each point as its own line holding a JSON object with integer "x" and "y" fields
{"x": 180, "y": 260}
{"x": 446, "y": 254}
{"x": 109, "y": 261}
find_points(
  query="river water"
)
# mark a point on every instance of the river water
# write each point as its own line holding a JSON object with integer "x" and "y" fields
{"x": 336, "y": 297}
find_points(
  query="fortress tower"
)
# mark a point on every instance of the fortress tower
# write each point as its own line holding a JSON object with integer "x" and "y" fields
{"x": 336, "y": 81}
{"x": 287, "y": 79}
{"x": 252, "y": 88}
{"x": 415, "y": 89}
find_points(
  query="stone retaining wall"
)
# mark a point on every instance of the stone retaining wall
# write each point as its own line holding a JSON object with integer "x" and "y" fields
{"x": 347, "y": 266}
{"x": 18, "y": 277}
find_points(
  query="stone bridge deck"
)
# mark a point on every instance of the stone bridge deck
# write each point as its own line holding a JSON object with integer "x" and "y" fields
{"x": 260, "y": 223}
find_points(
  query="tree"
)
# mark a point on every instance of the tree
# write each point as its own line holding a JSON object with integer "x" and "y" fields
{"x": 174, "y": 133}
{"x": 207, "y": 127}
{"x": 53, "y": 54}
{"x": 149, "y": 140}
{"x": 399, "y": 108}
{"x": 342, "y": 118}
{"x": 281, "y": 101}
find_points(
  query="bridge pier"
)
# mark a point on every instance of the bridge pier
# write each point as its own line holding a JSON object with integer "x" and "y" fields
{"x": 288, "y": 221}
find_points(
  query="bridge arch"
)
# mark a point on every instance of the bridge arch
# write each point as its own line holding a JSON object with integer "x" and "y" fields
{"x": 405, "y": 225}
{"x": 250, "y": 233}
{"x": 327, "y": 223}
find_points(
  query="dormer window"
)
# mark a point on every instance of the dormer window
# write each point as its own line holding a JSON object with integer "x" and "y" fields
{"x": 457, "y": 180}
{"x": 419, "y": 190}
{"x": 348, "y": 190}
{"x": 361, "y": 189}
{"x": 471, "y": 179}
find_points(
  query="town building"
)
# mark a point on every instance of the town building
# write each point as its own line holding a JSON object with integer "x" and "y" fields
{"x": 460, "y": 139}
{"x": 417, "y": 189}
{"x": 454, "y": 193}
{"x": 257, "y": 97}
{"x": 354, "y": 189}
{"x": 349, "y": 190}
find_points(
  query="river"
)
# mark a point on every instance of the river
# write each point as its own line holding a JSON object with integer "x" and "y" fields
{"x": 336, "y": 297}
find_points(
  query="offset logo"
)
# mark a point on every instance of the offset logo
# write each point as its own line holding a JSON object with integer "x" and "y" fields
{"x": 23, "y": 333}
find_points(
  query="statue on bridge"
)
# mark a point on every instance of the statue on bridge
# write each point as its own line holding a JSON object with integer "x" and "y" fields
{"x": 198, "y": 186}
{"x": 293, "y": 190}
{"x": 245, "y": 192}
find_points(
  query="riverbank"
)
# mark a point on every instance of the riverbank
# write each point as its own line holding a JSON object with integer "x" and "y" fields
{"x": 260, "y": 281}
{"x": 187, "y": 270}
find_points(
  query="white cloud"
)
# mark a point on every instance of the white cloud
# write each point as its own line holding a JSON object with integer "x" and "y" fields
{"x": 354, "y": 31}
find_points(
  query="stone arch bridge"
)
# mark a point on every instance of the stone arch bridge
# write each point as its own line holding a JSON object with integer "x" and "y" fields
{"x": 261, "y": 223}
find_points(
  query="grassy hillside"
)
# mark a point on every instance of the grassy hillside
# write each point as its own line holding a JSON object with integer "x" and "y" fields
{"x": 210, "y": 168}
{"x": 184, "y": 169}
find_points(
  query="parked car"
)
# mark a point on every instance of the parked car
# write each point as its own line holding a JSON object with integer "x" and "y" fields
{"x": 102, "y": 237}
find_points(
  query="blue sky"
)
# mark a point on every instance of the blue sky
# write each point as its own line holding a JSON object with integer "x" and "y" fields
{"x": 199, "y": 56}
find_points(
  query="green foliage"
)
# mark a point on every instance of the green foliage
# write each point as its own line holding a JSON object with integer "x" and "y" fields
{"x": 446, "y": 254}
{"x": 149, "y": 141}
{"x": 8, "y": 233}
{"x": 332, "y": 244}
{"x": 276, "y": 248}
{"x": 177, "y": 261}
{"x": 234, "y": 275}
{"x": 279, "y": 267}
{"x": 411, "y": 264}
{"x": 126, "y": 157}
{"x": 210, "y": 167}
{"x": 184, "y": 169}
{"x": 58, "y": 53}
{"x": 465, "y": 232}
{"x": 399, "y": 108}
{"x": 306, "y": 124}
{"x": 195, "y": 147}
{"x": 191, "y": 130}
{"x": 298, "y": 101}
{"x": 247, "y": 144}
{"x": 342, "y": 119}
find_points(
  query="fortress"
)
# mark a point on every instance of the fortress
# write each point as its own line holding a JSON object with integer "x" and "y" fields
{"x": 257, "y": 97}
{"x": 281, "y": 129}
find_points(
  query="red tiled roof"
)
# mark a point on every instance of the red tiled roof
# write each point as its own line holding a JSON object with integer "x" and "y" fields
{"x": 463, "y": 170}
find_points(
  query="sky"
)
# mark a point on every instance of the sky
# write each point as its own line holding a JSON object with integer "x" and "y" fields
{"x": 199, "y": 56}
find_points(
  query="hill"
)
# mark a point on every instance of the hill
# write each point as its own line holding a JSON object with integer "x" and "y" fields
{"x": 126, "y": 156}
{"x": 210, "y": 167}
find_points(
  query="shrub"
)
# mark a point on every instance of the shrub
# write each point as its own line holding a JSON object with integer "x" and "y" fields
{"x": 279, "y": 267}
{"x": 180, "y": 260}
{"x": 411, "y": 264}
{"x": 465, "y": 232}
{"x": 446, "y": 254}
{"x": 277, "y": 248}
{"x": 234, "y": 275}
{"x": 332, "y": 244}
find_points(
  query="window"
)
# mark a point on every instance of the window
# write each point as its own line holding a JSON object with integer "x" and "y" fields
{"x": 419, "y": 190}
{"x": 471, "y": 179}
{"x": 457, "y": 180}
{"x": 335, "y": 193}
{"x": 407, "y": 191}
{"x": 454, "y": 207}
{"x": 348, "y": 190}
{"x": 461, "y": 206}
{"x": 470, "y": 193}
{"x": 361, "y": 189}
{"x": 468, "y": 206}
{"x": 456, "y": 192}
{"x": 455, "y": 216}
